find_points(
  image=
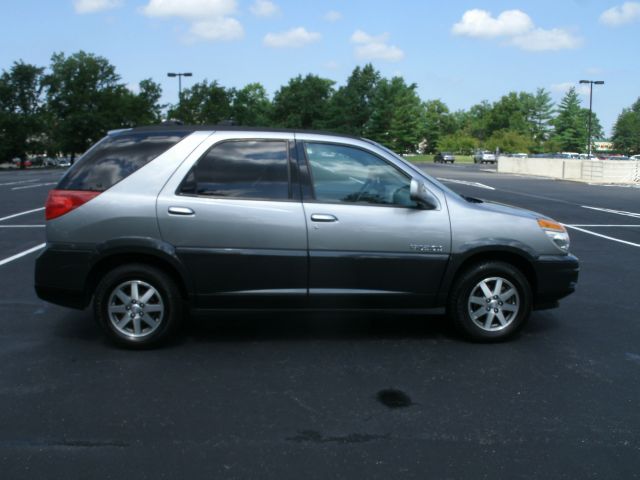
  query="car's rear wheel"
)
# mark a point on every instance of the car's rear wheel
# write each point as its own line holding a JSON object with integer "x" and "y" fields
{"x": 490, "y": 301}
{"x": 138, "y": 305}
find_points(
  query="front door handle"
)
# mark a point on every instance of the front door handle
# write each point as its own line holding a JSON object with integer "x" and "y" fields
{"x": 323, "y": 217}
{"x": 181, "y": 211}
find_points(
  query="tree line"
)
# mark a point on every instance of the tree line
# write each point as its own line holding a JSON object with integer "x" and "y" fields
{"x": 68, "y": 106}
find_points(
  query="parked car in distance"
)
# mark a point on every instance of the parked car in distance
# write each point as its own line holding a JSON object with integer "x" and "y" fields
{"x": 635, "y": 157}
{"x": 444, "y": 157}
{"x": 153, "y": 222}
{"x": 484, "y": 156}
{"x": 519, "y": 155}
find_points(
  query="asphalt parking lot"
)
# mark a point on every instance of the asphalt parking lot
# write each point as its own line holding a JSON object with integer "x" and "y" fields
{"x": 333, "y": 396}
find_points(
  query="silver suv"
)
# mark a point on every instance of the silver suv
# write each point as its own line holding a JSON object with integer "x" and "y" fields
{"x": 153, "y": 221}
{"x": 484, "y": 156}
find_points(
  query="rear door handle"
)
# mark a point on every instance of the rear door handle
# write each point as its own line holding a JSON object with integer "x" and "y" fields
{"x": 323, "y": 217}
{"x": 181, "y": 211}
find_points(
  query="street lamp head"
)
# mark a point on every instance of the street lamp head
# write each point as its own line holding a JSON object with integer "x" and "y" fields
{"x": 599, "y": 82}
{"x": 172, "y": 74}
{"x": 188, "y": 74}
{"x": 585, "y": 81}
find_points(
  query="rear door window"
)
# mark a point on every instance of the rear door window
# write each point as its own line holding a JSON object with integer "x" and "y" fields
{"x": 116, "y": 157}
{"x": 253, "y": 169}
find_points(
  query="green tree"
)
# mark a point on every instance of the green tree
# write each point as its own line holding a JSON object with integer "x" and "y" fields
{"x": 351, "y": 106}
{"x": 626, "y": 131}
{"x": 203, "y": 103}
{"x": 438, "y": 122}
{"x": 21, "y": 111}
{"x": 85, "y": 99}
{"x": 457, "y": 143}
{"x": 511, "y": 112}
{"x": 397, "y": 115}
{"x": 146, "y": 107}
{"x": 476, "y": 121}
{"x": 303, "y": 103}
{"x": 251, "y": 106}
{"x": 540, "y": 117}
{"x": 509, "y": 141}
{"x": 569, "y": 129}
{"x": 571, "y": 125}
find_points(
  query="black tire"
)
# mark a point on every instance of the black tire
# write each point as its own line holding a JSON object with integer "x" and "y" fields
{"x": 464, "y": 299}
{"x": 159, "y": 326}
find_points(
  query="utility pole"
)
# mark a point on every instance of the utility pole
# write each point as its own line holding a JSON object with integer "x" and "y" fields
{"x": 591, "y": 84}
{"x": 179, "y": 75}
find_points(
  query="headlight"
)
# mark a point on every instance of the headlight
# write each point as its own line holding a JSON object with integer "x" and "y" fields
{"x": 556, "y": 233}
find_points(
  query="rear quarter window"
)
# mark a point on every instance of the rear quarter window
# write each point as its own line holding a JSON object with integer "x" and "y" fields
{"x": 116, "y": 157}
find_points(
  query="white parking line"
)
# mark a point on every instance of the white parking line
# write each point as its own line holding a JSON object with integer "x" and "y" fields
{"x": 22, "y": 254}
{"x": 613, "y": 239}
{"x": 34, "y": 186}
{"x": 22, "y": 226}
{"x": 21, "y": 213}
{"x": 607, "y": 226}
{"x": 19, "y": 182}
{"x": 464, "y": 182}
{"x": 617, "y": 212}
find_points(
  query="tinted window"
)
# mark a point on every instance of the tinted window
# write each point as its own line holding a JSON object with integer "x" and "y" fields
{"x": 116, "y": 157}
{"x": 350, "y": 175}
{"x": 241, "y": 169}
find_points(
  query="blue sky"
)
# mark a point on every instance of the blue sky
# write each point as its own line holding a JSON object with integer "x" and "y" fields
{"x": 461, "y": 52}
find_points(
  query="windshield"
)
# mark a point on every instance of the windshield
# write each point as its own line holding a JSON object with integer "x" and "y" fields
{"x": 414, "y": 168}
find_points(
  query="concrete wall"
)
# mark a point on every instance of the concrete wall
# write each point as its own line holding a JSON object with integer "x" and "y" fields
{"x": 596, "y": 171}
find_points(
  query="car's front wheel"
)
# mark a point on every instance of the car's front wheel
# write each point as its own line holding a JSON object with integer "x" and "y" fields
{"x": 490, "y": 301}
{"x": 138, "y": 305}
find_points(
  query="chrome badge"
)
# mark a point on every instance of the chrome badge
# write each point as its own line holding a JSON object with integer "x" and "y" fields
{"x": 426, "y": 248}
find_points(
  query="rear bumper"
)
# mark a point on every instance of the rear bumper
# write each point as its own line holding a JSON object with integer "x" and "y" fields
{"x": 61, "y": 276}
{"x": 557, "y": 276}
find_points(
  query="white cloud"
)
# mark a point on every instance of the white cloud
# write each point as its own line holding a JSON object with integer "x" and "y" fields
{"x": 517, "y": 28}
{"x": 210, "y": 19}
{"x": 195, "y": 9}
{"x": 566, "y": 86}
{"x": 296, "y": 37}
{"x": 371, "y": 47}
{"x": 540, "y": 40}
{"x": 619, "y": 15}
{"x": 217, "y": 29}
{"x": 264, "y": 8}
{"x": 92, "y": 6}
{"x": 480, "y": 23}
{"x": 332, "y": 16}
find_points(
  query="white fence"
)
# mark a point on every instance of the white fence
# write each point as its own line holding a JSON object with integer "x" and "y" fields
{"x": 595, "y": 171}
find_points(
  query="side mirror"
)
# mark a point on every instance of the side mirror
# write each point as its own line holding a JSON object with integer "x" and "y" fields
{"x": 420, "y": 194}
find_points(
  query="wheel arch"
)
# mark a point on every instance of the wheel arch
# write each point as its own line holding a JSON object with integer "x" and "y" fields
{"x": 148, "y": 251}
{"x": 520, "y": 259}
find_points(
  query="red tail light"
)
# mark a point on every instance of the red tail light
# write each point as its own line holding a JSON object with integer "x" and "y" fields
{"x": 60, "y": 202}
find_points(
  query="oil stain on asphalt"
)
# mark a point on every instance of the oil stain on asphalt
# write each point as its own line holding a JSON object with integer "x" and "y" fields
{"x": 394, "y": 398}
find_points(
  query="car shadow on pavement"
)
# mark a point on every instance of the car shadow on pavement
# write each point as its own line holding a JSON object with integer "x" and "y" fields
{"x": 236, "y": 326}
{"x": 301, "y": 326}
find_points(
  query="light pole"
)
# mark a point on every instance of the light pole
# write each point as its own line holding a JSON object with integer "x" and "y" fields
{"x": 179, "y": 75}
{"x": 591, "y": 84}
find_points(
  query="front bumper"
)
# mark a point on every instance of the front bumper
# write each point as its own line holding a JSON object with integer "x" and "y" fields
{"x": 557, "y": 276}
